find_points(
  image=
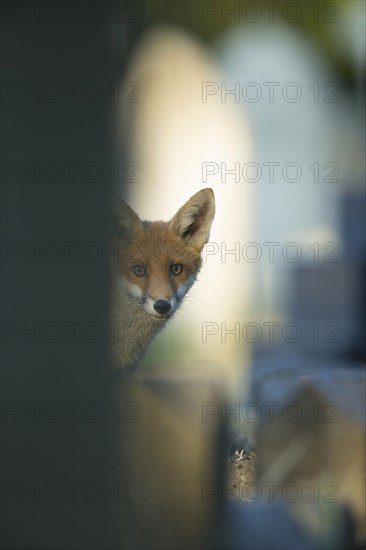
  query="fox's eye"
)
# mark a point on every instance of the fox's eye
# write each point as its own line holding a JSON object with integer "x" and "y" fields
{"x": 176, "y": 269}
{"x": 139, "y": 270}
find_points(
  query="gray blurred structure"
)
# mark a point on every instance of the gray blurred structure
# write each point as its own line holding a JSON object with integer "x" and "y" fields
{"x": 334, "y": 292}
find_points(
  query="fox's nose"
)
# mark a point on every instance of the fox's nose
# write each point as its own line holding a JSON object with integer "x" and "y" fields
{"x": 162, "y": 306}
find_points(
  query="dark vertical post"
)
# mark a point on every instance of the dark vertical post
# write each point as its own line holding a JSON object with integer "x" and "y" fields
{"x": 56, "y": 428}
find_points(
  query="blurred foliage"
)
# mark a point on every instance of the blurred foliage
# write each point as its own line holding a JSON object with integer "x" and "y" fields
{"x": 320, "y": 21}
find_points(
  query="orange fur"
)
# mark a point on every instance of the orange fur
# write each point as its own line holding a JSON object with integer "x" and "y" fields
{"x": 154, "y": 249}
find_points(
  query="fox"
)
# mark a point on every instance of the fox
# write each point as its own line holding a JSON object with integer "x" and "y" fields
{"x": 154, "y": 266}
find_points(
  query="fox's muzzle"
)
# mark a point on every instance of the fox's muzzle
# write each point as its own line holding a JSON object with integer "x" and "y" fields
{"x": 162, "y": 306}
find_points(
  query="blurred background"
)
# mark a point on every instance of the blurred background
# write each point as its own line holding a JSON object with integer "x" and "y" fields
{"x": 259, "y": 380}
{"x": 265, "y": 104}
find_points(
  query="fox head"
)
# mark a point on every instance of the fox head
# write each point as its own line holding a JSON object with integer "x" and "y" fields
{"x": 158, "y": 261}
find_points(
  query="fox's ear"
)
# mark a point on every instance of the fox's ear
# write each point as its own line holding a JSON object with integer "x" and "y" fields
{"x": 126, "y": 221}
{"x": 193, "y": 220}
